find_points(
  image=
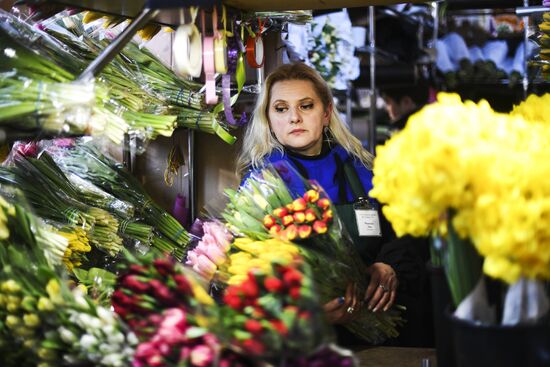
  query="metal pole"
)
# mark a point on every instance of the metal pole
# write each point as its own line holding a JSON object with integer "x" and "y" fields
{"x": 525, "y": 80}
{"x": 348, "y": 105}
{"x": 373, "y": 97}
{"x": 127, "y": 153}
{"x": 191, "y": 174}
{"x": 435, "y": 15}
{"x": 117, "y": 45}
{"x": 527, "y": 10}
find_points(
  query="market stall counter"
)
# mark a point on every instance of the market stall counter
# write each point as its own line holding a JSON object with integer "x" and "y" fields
{"x": 393, "y": 356}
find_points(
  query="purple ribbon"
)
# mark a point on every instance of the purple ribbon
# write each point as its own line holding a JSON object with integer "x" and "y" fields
{"x": 232, "y": 59}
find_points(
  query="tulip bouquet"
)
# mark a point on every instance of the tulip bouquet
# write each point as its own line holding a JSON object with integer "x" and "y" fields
{"x": 148, "y": 285}
{"x": 278, "y": 203}
{"x": 211, "y": 250}
{"x": 274, "y": 312}
{"x": 42, "y": 321}
{"x": 170, "y": 312}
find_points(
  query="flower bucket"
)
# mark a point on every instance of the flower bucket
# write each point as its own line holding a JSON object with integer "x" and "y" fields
{"x": 441, "y": 298}
{"x": 502, "y": 346}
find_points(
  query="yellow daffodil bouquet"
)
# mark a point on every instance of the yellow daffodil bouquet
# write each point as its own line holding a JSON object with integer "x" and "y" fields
{"x": 460, "y": 168}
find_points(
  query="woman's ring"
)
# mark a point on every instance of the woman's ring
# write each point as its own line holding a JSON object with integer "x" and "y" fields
{"x": 350, "y": 309}
{"x": 384, "y": 288}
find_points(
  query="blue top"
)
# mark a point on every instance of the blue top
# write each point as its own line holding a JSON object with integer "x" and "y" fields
{"x": 325, "y": 168}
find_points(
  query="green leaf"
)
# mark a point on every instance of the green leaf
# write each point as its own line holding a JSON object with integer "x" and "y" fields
{"x": 195, "y": 332}
{"x": 242, "y": 335}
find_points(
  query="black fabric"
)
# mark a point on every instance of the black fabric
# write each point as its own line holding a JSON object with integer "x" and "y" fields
{"x": 407, "y": 256}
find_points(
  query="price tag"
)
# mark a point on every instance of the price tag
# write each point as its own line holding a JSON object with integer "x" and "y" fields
{"x": 368, "y": 222}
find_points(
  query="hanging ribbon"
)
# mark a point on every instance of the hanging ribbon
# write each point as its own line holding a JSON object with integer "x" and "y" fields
{"x": 188, "y": 48}
{"x": 209, "y": 65}
{"x": 220, "y": 42}
{"x": 236, "y": 65}
{"x": 255, "y": 49}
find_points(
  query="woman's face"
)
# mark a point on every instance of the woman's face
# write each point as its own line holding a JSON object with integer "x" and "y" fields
{"x": 297, "y": 116}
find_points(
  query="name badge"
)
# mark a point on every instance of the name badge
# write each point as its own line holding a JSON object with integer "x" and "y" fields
{"x": 368, "y": 222}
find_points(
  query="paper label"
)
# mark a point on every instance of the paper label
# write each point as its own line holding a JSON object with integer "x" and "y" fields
{"x": 368, "y": 223}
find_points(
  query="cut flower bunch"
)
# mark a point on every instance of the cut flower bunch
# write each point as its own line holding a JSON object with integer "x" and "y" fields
{"x": 465, "y": 170}
{"x": 487, "y": 167}
{"x": 269, "y": 208}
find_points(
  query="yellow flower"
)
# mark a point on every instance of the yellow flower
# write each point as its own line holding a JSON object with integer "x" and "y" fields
{"x": 44, "y": 304}
{"x": 54, "y": 291}
{"x": 201, "y": 295}
{"x": 31, "y": 320}
{"x": 10, "y": 286}
{"x": 488, "y": 168}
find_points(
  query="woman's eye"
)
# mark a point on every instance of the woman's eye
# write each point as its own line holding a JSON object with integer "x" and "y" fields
{"x": 307, "y": 106}
{"x": 280, "y": 109}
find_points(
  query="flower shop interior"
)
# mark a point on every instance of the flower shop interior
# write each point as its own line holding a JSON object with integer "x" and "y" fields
{"x": 131, "y": 236}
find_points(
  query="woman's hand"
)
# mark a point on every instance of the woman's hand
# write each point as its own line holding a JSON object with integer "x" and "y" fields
{"x": 382, "y": 288}
{"x": 344, "y": 309}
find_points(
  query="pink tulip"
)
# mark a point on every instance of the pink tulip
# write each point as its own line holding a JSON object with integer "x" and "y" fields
{"x": 204, "y": 267}
{"x": 219, "y": 233}
{"x": 145, "y": 350}
{"x": 156, "y": 361}
{"x": 202, "y": 356}
{"x": 215, "y": 254}
{"x": 174, "y": 317}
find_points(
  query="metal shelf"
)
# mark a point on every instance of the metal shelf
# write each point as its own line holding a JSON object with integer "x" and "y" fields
{"x": 131, "y": 8}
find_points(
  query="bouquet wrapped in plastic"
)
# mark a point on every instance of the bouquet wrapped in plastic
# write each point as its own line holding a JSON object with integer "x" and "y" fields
{"x": 269, "y": 205}
{"x": 42, "y": 321}
{"x": 270, "y": 309}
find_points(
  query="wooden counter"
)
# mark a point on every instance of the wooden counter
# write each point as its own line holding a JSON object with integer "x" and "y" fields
{"x": 394, "y": 357}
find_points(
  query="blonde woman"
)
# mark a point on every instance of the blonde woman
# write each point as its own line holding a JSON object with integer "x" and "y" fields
{"x": 294, "y": 120}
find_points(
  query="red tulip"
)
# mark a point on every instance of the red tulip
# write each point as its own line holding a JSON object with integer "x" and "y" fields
{"x": 323, "y": 203}
{"x": 304, "y": 231}
{"x": 327, "y": 215}
{"x": 294, "y": 293}
{"x": 276, "y": 228}
{"x": 138, "y": 269}
{"x": 310, "y": 215}
{"x": 253, "y": 326}
{"x": 320, "y": 227}
{"x": 299, "y": 204}
{"x": 269, "y": 221}
{"x": 233, "y": 301}
{"x": 182, "y": 284}
{"x": 290, "y": 207}
{"x": 287, "y": 219}
{"x": 280, "y": 212}
{"x": 280, "y": 327}
{"x": 250, "y": 287}
{"x": 164, "y": 266}
{"x": 254, "y": 346}
{"x": 290, "y": 233}
{"x": 162, "y": 292}
{"x": 292, "y": 277}
{"x": 311, "y": 196}
{"x": 132, "y": 283}
{"x": 273, "y": 284}
{"x": 299, "y": 217}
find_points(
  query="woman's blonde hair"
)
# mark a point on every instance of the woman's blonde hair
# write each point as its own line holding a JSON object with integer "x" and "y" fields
{"x": 259, "y": 142}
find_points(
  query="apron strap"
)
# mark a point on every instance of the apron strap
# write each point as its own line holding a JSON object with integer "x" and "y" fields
{"x": 350, "y": 175}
